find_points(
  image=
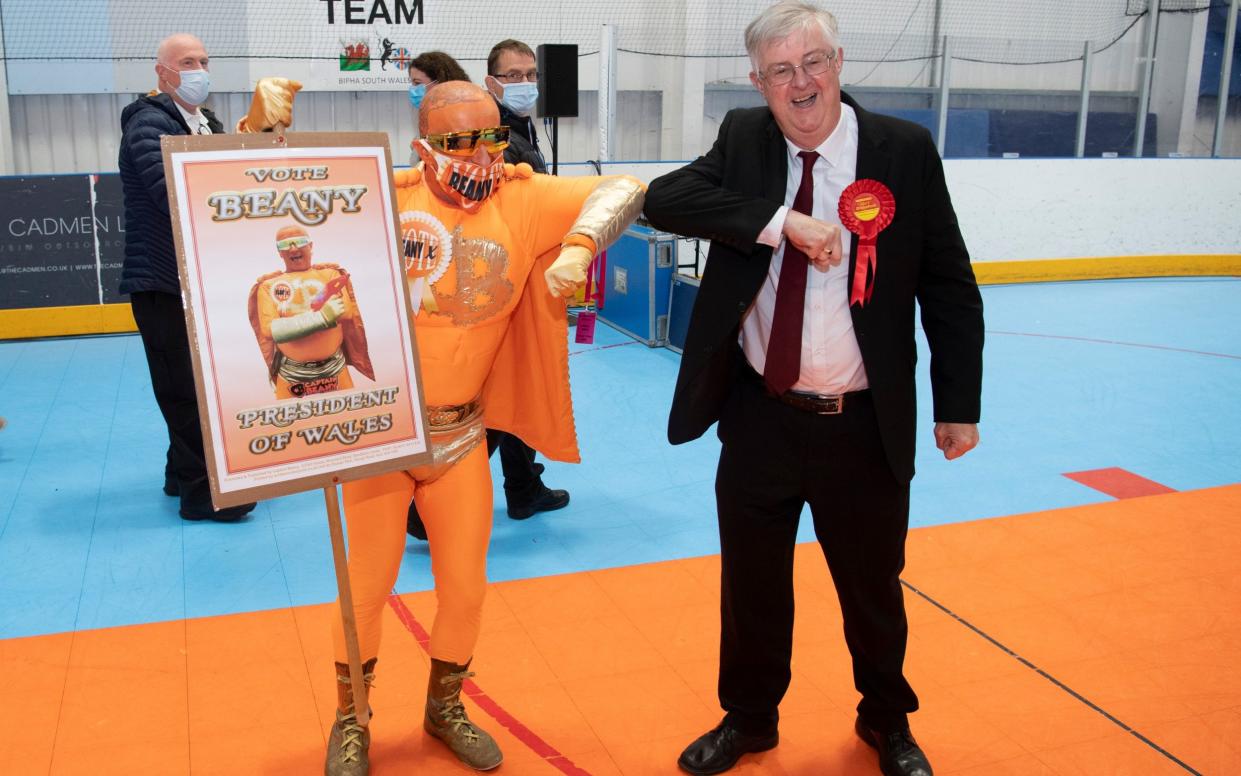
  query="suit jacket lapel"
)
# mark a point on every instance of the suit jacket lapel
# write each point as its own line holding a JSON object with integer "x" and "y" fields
{"x": 775, "y": 163}
{"x": 872, "y": 157}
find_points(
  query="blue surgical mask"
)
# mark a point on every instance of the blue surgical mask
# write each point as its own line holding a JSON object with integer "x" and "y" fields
{"x": 195, "y": 86}
{"x": 416, "y": 93}
{"x": 521, "y": 97}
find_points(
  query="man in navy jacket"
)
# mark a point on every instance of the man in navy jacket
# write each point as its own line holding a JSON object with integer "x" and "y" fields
{"x": 149, "y": 274}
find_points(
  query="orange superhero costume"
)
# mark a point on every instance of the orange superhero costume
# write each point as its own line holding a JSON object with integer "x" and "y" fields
{"x": 493, "y": 346}
{"x": 306, "y": 322}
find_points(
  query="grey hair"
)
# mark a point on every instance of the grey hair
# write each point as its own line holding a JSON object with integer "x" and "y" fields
{"x": 783, "y": 19}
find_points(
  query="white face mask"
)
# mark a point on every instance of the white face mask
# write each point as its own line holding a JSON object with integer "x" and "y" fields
{"x": 466, "y": 183}
{"x": 521, "y": 97}
{"x": 195, "y": 86}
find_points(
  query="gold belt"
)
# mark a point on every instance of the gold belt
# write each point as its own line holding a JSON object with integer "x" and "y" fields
{"x": 442, "y": 416}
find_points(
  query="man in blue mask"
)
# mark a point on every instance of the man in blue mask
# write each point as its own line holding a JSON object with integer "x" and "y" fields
{"x": 149, "y": 274}
{"x": 513, "y": 80}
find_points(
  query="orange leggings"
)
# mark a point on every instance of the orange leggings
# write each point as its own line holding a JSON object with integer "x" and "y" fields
{"x": 456, "y": 510}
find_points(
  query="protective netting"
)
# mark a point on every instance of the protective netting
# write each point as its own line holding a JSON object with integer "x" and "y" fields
{"x": 997, "y": 31}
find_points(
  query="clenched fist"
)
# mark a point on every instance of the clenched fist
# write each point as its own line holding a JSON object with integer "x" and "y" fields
{"x": 956, "y": 439}
{"x": 333, "y": 309}
{"x": 819, "y": 240}
{"x": 568, "y": 272}
{"x": 272, "y": 104}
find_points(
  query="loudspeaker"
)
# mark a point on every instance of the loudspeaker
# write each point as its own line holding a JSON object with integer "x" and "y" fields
{"x": 557, "y": 79}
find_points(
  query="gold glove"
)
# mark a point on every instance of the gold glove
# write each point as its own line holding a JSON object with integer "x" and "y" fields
{"x": 272, "y": 104}
{"x": 609, "y": 210}
{"x": 568, "y": 272}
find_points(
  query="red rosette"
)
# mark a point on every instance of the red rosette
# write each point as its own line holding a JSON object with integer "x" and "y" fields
{"x": 866, "y": 208}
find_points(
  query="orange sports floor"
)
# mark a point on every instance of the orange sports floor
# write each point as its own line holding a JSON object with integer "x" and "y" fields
{"x": 1102, "y": 639}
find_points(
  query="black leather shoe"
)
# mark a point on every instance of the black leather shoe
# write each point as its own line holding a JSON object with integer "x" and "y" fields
{"x": 899, "y": 753}
{"x": 225, "y": 515}
{"x": 546, "y": 501}
{"x": 721, "y": 748}
{"x": 170, "y": 486}
{"x": 413, "y": 523}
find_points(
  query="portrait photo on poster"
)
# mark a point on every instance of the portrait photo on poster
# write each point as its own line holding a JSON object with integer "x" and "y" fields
{"x": 297, "y": 308}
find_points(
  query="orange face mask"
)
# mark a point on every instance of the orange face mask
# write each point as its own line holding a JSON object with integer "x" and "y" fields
{"x": 467, "y": 184}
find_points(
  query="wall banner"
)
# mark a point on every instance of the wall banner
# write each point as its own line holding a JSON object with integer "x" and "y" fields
{"x": 47, "y": 243}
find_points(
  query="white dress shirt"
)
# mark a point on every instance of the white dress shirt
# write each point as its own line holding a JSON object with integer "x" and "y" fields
{"x": 196, "y": 121}
{"x": 831, "y": 362}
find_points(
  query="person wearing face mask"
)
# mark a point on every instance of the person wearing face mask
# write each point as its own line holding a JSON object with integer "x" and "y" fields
{"x": 431, "y": 67}
{"x": 512, "y": 79}
{"x": 525, "y": 493}
{"x": 149, "y": 274}
{"x": 491, "y": 251}
{"x": 428, "y": 68}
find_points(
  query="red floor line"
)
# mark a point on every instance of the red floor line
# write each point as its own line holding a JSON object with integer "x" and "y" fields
{"x": 603, "y": 347}
{"x": 486, "y": 702}
{"x": 1119, "y": 483}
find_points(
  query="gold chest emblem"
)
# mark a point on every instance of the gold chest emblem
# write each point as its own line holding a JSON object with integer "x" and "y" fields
{"x": 477, "y": 286}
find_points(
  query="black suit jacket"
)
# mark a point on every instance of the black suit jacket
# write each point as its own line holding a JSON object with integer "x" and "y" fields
{"x": 730, "y": 194}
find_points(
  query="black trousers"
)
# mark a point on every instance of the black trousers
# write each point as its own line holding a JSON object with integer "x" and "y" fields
{"x": 523, "y": 480}
{"x": 161, "y": 324}
{"x": 774, "y": 460}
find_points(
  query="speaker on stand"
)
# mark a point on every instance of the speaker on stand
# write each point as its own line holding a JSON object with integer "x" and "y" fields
{"x": 557, "y": 87}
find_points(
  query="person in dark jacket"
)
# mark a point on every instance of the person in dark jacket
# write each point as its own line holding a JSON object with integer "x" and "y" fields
{"x": 524, "y": 491}
{"x": 149, "y": 274}
{"x": 801, "y": 346}
{"x": 432, "y": 67}
{"x": 512, "y": 78}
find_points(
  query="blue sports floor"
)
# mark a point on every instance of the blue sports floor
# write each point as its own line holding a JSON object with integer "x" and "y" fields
{"x": 1072, "y": 584}
{"x": 1144, "y": 375}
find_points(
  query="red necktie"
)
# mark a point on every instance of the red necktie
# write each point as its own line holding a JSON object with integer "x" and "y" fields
{"x": 783, "y": 363}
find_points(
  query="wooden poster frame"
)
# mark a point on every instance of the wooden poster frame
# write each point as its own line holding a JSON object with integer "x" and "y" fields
{"x": 178, "y": 151}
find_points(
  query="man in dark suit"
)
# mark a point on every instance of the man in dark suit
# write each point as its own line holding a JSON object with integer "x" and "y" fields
{"x": 807, "y": 361}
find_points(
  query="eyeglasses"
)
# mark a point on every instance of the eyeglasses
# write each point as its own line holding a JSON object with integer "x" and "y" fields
{"x": 289, "y": 243}
{"x": 516, "y": 76}
{"x": 815, "y": 63}
{"x": 494, "y": 139}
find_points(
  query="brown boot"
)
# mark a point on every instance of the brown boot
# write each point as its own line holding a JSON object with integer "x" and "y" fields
{"x": 446, "y": 720}
{"x": 348, "y": 745}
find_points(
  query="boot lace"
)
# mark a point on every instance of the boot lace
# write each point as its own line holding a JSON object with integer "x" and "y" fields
{"x": 351, "y": 743}
{"x": 350, "y": 737}
{"x": 453, "y": 711}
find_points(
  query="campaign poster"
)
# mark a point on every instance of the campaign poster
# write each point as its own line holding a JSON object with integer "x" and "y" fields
{"x": 297, "y": 309}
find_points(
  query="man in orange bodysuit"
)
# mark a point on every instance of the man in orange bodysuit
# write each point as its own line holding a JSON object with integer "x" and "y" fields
{"x": 490, "y": 255}
{"x": 307, "y": 323}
